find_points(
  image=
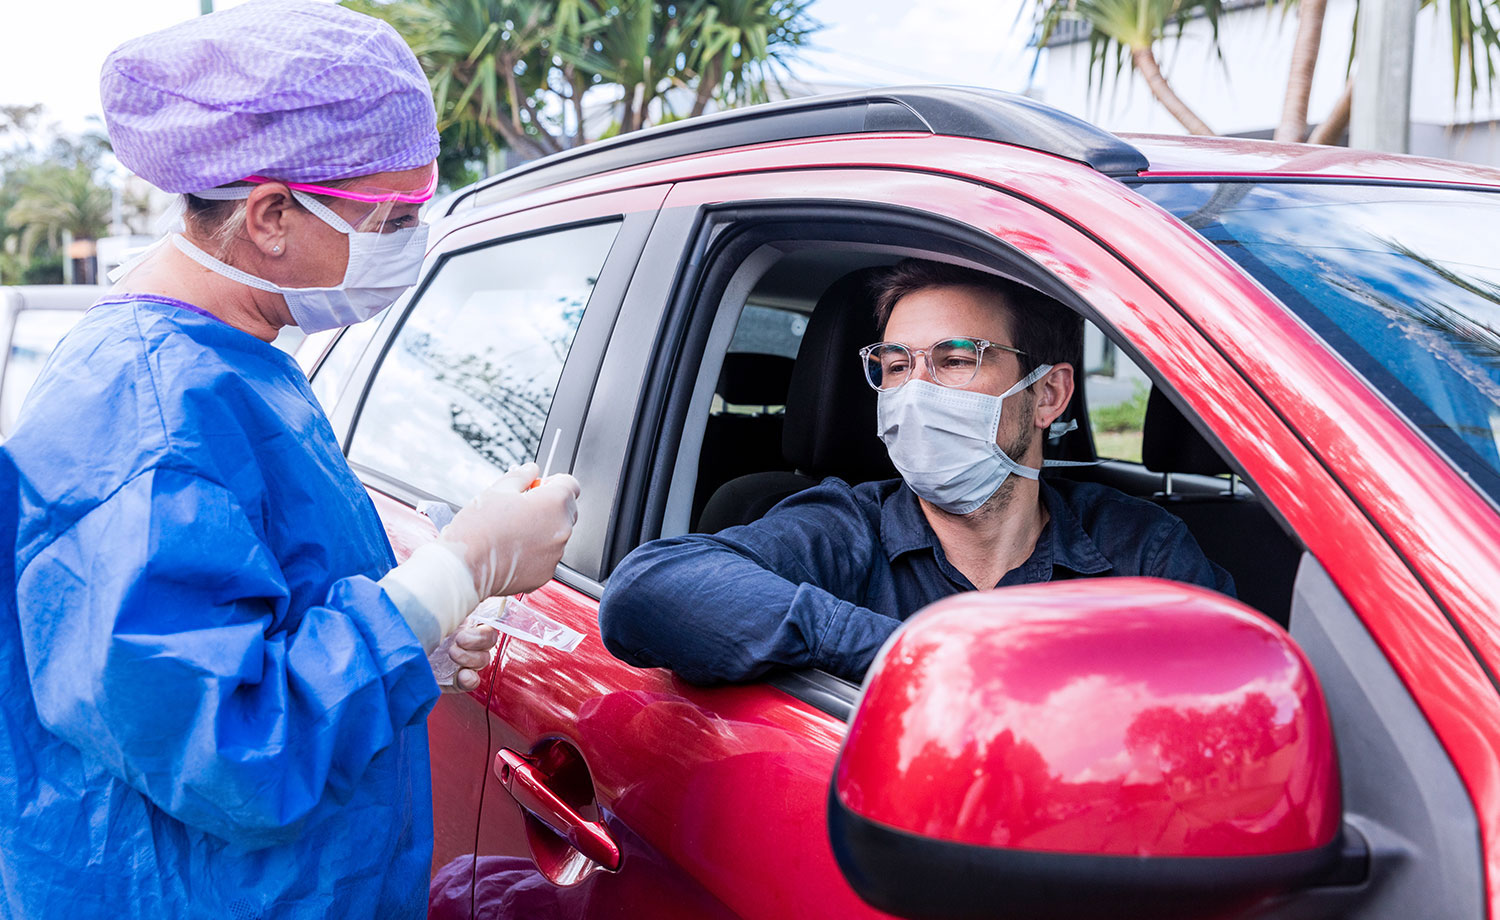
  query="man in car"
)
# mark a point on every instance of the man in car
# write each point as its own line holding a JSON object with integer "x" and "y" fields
{"x": 971, "y": 373}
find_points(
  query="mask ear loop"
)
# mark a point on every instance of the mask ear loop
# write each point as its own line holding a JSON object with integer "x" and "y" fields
{"x": 174, "y": 219}
{"x": 324, "y": 213}
{"x": 171, "y": 221}
{"x": 320, "y": 210}
{"x": 1054, "y": 431}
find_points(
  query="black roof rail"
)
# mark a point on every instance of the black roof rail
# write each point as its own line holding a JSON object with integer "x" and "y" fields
{"x": 960, "y": 111}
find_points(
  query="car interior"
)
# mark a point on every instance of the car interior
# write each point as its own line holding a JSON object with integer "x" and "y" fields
{"x": 789, "y": 407}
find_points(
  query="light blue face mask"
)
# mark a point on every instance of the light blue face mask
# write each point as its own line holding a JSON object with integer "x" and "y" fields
{"x": 942, "y": 441}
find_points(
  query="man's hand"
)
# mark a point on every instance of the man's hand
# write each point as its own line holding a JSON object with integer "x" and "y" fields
{"x": 472, "y": 650}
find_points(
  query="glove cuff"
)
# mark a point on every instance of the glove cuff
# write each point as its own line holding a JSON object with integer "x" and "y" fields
{"x": 433, "y": 590}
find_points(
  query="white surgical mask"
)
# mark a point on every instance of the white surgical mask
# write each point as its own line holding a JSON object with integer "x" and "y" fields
{"x": 942, "y": 441}
{"x": 381, "y": 267}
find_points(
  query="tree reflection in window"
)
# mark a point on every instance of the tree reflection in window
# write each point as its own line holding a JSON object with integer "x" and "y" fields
{"x": 465, "y": 389}
{"x": 499, "y": 413}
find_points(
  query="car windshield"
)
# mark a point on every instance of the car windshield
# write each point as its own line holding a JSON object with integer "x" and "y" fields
{"x": 37, "y": 332}
{"x": 1403, "y": 282}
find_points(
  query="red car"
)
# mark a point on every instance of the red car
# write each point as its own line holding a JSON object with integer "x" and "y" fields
{"x": 679, "y": 312}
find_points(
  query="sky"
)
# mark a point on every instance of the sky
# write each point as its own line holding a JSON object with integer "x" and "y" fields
{"x": 51, "y": 52}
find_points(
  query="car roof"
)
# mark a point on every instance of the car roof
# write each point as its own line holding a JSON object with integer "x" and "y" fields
{"x": 1235, "y": 156}
{"x": 968, "y": 112}
{"x": 956, "y": 111}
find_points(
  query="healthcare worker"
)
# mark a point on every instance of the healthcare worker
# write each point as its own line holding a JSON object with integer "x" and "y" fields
{"x": 213, "y": 684}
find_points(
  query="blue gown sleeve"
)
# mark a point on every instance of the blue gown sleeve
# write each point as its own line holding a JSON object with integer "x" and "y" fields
{"x": 158, "y": 640}
{"x": 730, "y": 607}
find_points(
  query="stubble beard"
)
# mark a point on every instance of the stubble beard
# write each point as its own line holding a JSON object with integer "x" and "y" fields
{"x": 1019, "y": 444}
{"x": 1000, "y": 502}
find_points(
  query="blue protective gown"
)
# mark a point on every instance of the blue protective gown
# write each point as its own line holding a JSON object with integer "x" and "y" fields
{"x": 208, "y": 707}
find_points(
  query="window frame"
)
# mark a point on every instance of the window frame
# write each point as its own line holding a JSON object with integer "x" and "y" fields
{"x": 726, "y": 237}
{"x": 580, "y": 369}
{"x": 723, "y": 236}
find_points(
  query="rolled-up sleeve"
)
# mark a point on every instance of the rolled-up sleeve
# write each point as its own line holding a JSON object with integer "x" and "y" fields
{"x": 157, "y": 639}
{"x": 773, "y": 593}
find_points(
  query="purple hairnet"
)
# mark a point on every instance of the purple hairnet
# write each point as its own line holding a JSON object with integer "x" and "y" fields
{"x": 295, "y": 89}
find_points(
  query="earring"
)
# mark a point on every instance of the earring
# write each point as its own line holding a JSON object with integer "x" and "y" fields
{"x": 276, "y": 248}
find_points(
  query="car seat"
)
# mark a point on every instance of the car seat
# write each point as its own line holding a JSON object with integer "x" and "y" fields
{"x": 1233, "y": 529}
{"x": 829, "y": 427}
{"x": 745, "y": 436}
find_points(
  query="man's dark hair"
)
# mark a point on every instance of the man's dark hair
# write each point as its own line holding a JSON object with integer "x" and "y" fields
{"x": 1046, "y": 330}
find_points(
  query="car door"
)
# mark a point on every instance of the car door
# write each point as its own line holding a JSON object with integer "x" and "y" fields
{"x": 455, "y": 384}
{"x": 702, "y": 800}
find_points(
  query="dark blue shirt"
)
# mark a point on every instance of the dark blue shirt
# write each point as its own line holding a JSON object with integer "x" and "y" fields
{"x": 827, "y": 575}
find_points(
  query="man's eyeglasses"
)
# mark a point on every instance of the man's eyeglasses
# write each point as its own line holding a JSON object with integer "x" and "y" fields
{"x": 950, "y": 363}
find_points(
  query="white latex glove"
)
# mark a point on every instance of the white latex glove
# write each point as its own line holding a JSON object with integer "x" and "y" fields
{"x": 512, "y": 538}
{"x": 507, "y": 540}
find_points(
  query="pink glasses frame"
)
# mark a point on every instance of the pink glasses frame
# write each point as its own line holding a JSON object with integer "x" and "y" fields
{"x": 372, "y": 198}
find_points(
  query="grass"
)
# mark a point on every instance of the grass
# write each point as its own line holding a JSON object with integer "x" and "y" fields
{"x": 1117, "y": 428}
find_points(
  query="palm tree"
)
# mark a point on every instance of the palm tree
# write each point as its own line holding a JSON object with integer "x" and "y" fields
{"x": 516, "y": 71}
{"x": 638, "y": 47}
{"x": 1474, "y": 37}
{"x": 1118, "y": 28}
{"x": 1130, "y": 30}
{"x": 54, "y": 199}
{"x": 480, "y": 56}
{"x": 1305, "y": 48}
{"x": 741, "y": 48}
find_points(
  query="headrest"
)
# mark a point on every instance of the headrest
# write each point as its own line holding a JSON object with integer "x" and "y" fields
{"x": 830, "y": 409}
{"x": 1169, "y": 444}
{"x": 749, "y": 379}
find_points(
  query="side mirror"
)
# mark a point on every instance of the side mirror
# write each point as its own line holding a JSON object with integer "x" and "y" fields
{"x": 1111, "y": 748}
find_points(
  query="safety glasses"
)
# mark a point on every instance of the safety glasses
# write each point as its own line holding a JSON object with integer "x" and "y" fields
{"x": 370, "y": 208}
{"x": 951, "y": 362}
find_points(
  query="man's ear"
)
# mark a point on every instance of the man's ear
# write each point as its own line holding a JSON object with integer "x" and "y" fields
{"x": 1053, "y": 393}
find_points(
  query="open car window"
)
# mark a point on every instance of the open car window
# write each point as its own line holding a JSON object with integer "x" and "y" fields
{"x": 1116, "y": 391}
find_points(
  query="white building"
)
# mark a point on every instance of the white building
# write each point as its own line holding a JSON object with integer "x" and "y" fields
{"x": 1241, "y": 93}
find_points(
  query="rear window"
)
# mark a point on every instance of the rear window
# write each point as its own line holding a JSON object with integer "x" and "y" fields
{"x": 1403, "y": 282}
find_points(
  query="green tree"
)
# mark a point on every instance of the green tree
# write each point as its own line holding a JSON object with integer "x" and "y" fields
{"x": 1126, "y": 33}
{"x": 49, "y": 185}
{"x": 741, "y": 48}
{"x": 55, "y": 198}
{"x": 516, "y": 72}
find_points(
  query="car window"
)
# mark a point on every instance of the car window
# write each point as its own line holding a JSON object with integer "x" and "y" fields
{"x": 769, "y": 331}
{"x": 773, "y": 332}
{"x": 463, "y": 391}
{"x": 1403, "y": 282}
{"x": 1116, "y": 392}
{"x": 36, "y": 333}
{"x": 332, "y": 374}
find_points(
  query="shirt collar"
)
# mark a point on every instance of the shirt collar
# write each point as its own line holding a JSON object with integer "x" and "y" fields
{"x": 903, "y": 526}
{"x": 904, "y": 529}
{"x": 1072, "y": 547}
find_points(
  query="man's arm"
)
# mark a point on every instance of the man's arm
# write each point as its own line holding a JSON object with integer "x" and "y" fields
{"x": 774, "y": 593}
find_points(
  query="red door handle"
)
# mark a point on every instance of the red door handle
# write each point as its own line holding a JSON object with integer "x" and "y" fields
{"x": 529, "y": 788}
